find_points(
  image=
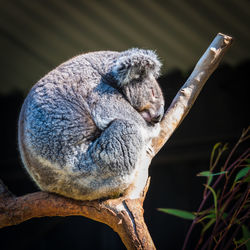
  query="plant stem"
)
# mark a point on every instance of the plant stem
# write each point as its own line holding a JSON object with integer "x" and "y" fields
{"x": 207, "y": 193}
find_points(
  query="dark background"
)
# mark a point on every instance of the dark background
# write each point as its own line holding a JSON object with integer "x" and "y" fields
{"x": 35, "y": 36}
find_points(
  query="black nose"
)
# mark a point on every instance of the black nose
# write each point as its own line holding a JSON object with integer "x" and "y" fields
{"x": 156, "y": 119}
{"x": 158, "y": 116}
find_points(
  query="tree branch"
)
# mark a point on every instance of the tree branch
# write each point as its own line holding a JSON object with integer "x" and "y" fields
{"x": 124, "y": 215}
{"x": 187, "y": 95}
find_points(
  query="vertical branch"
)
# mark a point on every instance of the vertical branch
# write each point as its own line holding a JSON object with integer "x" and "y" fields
{"x": 187, "y": 95}
{"x": 131, "y": 226}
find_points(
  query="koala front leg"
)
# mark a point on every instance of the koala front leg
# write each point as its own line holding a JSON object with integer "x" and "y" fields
{"x": 117, "y": 149}
{"x": 112, "y": 158}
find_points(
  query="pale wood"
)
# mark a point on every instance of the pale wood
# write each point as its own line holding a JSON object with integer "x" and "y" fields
{"x": 188, "y": 93}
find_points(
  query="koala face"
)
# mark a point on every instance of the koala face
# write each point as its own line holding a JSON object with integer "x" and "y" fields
{"x": 136, "y": 71}
{"x": 146, "y": 97}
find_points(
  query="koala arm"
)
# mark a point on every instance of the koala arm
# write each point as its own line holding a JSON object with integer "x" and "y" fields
{"x": 113, "y": 159}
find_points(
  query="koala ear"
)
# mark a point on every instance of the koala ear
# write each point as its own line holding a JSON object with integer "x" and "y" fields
{"x": 135, "y": 64}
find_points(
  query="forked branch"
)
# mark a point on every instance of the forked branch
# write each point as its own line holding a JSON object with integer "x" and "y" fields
{"x": 124, "y": 215}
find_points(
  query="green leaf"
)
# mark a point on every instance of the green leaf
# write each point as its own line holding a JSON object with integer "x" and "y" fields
{"x": 246, "y": 236}
{"x": 213, "y": 162}
{"x": 208, "y": 173}
{"x": 209, "y": 180}
{"x": 204, "y": 173}
{"x": 208, "y": 225}
{"x": 209, "y": 216}
{"x": 179, "y": 213}
{"x": 220, "y": 173}
{"x": 215, "y": 198}
{"x": 243, "y": 172}
{"x": 213, "y": 152}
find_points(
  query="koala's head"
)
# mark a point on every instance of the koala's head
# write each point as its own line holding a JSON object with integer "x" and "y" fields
{"x": 135, "y": 72}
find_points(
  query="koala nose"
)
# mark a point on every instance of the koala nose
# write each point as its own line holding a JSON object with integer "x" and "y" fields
{"x": 156, "y": 119}
{"x": 158, "y": 115}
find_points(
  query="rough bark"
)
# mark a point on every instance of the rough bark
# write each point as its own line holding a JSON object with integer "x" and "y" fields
{"x": 124, "y": 215}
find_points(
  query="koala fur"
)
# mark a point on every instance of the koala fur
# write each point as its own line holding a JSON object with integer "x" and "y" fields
{"x": 86, "y": 125}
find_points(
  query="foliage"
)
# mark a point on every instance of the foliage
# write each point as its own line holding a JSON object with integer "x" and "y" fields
{"x": 223, "y": 219}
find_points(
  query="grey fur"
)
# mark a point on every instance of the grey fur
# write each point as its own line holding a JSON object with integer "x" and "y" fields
{"x": 83, "y": 126}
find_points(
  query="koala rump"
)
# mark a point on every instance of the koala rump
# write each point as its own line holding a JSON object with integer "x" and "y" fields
{"x": 85, "y": 127}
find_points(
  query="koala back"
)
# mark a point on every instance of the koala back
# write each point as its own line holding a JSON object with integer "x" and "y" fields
{"x": 64, "y": 126}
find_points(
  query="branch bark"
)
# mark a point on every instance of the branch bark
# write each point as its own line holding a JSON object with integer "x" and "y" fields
{"x": 124, "y": 215}
{"x": 187, "y": 95}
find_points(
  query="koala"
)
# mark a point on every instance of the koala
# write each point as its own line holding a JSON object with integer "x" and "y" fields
{"x": 84, "y": 128}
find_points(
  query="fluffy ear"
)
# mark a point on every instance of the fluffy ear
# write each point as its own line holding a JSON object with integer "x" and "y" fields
{"x": 135, "y": 64}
